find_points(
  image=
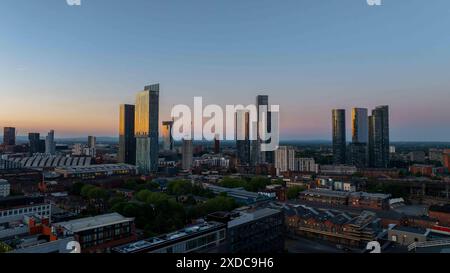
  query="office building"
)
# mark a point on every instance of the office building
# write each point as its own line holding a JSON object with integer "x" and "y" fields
{"x": 339, "y": 136}
{"x": 187, "y": 154}
{"x": 9, "y": 136}
{"x": 50, "y": 146}
{"x": 243, "y": 136}
{"x": 14, "y": 208}
{"x": 198, "y": 238}
{"x": 127, "y": 141}
{"x": 99, "y": 233}
{"x": 168, "y": 144}
{"x": 147, "y": 129}
{"x": 36, "y": 144}
{"x": 5, "y": 188}
{"x": 256, "y": 231}
{"x": 379, "y": 137}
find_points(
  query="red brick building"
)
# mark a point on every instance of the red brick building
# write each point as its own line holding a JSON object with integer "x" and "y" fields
{"x": 441, "y": 213}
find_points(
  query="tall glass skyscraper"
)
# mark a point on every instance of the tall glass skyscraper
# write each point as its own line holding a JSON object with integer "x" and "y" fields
{"x": 243, "y": 136}
{"x": 147, "y": 129}
{"x": 187, "y": 154}
{"x": 50, "y": 146}
{"x": 379, "y": 137}
{"x": 339, "y": 136}
{"x": 360, "y": 137}
{"x": 36, "y": 144}
{"x": 9, "y": 136}
{"x": 127, "y": 141}
{"x": 360, "y": 125}
{"x": 168, "y": 144}
{"x": 269, "y": 156}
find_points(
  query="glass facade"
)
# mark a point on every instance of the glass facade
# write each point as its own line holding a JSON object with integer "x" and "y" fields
{"x": 339, "y": 136}
{"x": 127, "y": 141}
{"x": 379, "y": 137}
{"x": 147, "y": 129}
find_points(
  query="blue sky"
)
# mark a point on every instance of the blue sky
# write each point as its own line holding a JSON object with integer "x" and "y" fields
{"x": 68, "y": 68}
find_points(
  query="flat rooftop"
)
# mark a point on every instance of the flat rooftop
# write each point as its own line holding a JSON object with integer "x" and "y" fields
{"x": 93, "y": 222}
{"x": 249, "y": 216}
{"x": 168, "y": 238}
{"x": 96, "y": 168}
{"x": 415, "y": 230}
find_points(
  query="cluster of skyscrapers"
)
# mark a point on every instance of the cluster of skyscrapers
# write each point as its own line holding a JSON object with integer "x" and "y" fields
{"x": 139, "y": 134}
{"x": 370, "y": 137}
{"x": 36, "y": 144}
{"x": 139, "y": 131}
{"x": 249, "y": 147}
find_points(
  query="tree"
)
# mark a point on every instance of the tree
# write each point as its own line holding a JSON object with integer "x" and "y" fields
{"x": 76, "y": 188}
{"x": 229, "y": 182}
{"x": 257, "y": 183}
{"x": 85, "y": 190}
{"x": 179, "y": 187}
{"x": 293, "y": 192}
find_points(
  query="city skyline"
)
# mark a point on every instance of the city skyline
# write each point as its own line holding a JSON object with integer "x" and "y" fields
{"x": 83, "y": 63}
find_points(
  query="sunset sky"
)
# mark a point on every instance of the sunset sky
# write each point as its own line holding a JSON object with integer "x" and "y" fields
{"x": 68, "y": 68}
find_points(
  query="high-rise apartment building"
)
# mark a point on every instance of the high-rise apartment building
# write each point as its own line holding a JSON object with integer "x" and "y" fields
{"x": 92, "y": 141}
{"x": 307, "y": 165}
{"x": 168, "y": 144}
{"x": 243, "y": 136}
{"x": 187, "y": 154}
{"x": 284, "y": 159}
{"x": 339, "y": 136}
{"x": 9, "y": 136}
{"x": 216, "y": 144}
{"x": 147, "y": 129}
{"x": 127, "y": 141}
{"x": 360, "y": 137}
{"x": 36, "y": 144}
{"x": 446, "y": 159}
{"x": 360, "y": 125}
{"x": 264, "y": 156}
{"x": 50, "y": 146}
{"x": 379, "y": 137}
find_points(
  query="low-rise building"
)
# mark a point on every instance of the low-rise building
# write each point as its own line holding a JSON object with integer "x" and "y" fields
{"x": 16, "y": 207}
{"x": 441, "y": 214}
{"x": 420, "y": 169}
{"x": 338, "y": 170}
{"x": 204, "y": 237}
{"x": 99, "y": 233}
{"x": 343, "y": 198}
{"x": 96, "y": 171}
{"x": 366, "y": 200}
{"x": 253, "y": 230}
{"x": 326, "y": 196}
{"x": 332, "y": 226}
{"x": 239, "y": 194}
{"x": 407, "y": 235}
